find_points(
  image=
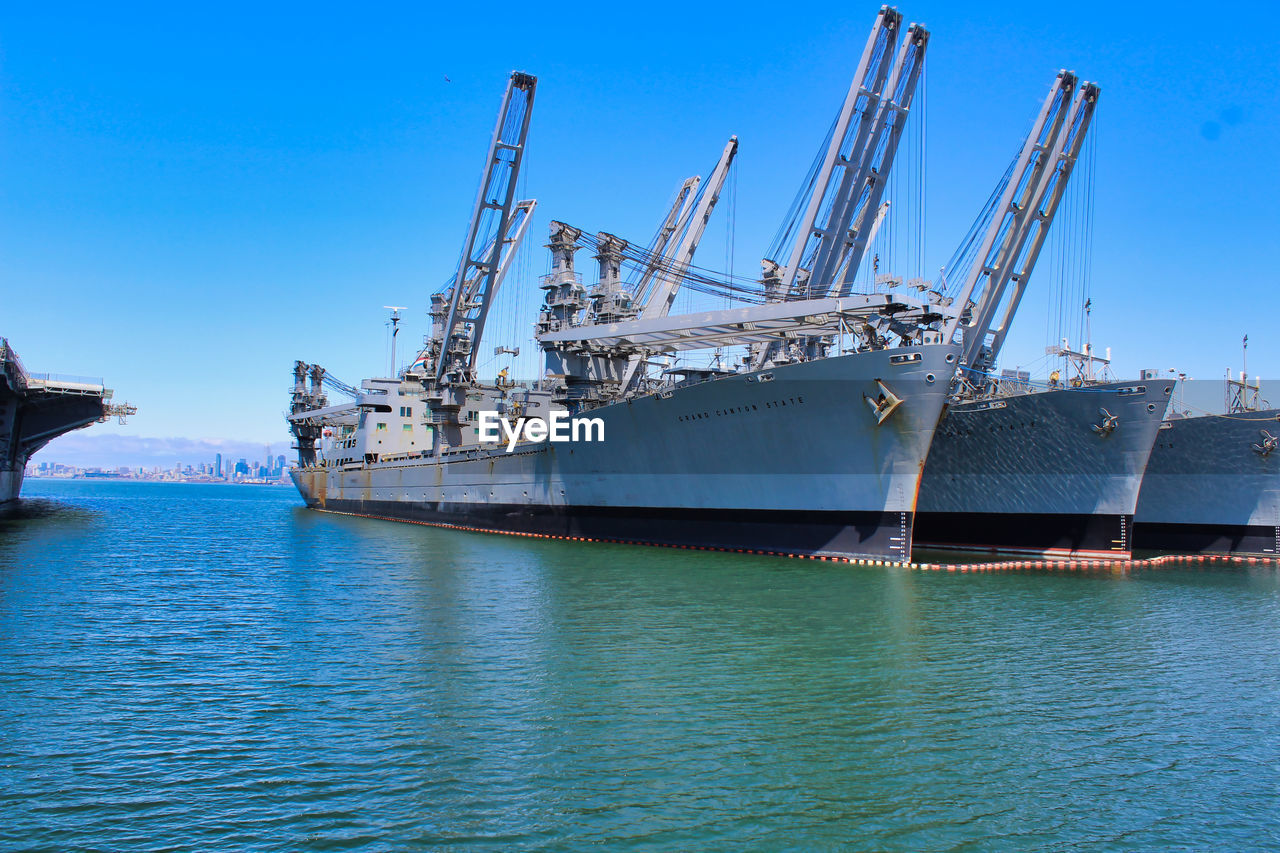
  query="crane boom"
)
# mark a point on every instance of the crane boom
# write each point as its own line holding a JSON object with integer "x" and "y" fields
{"x": 844, "y": 198}
{"x": 1012, "y": 242}
{"x": 848, "y": 185}
{"x": 1066, "y": 155}
{"x": 659, "y": 302}
{"x": 663, "y": 246}
{"x": 863, "y": 181}
{"x": 494, "y": 226}
{"x": 860, "y": 226}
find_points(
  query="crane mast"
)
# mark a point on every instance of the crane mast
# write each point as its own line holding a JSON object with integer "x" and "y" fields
{"x": 996, "y": 282}
{"x": 663, "y": 246}
{"x": 844, "y": 200}
{"x": 861, "y": 190}
{"x": 496, "y": 227}
{"x": 847, "y": 188}
{"x": 658, "y": 303}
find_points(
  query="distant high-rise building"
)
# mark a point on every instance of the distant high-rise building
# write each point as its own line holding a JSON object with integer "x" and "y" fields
{"x": 217, "y": 464}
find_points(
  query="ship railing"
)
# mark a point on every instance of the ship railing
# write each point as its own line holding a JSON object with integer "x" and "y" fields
{"x": 558, "y": 278}
{"x": 979, "y": 384}
{"x": 66, "y": 384}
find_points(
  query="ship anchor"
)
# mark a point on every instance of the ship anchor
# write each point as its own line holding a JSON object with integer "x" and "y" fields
{"x": 884, "y": 403}
{"x": 1269, "y": 443}
{"x": 1109, "y": 423}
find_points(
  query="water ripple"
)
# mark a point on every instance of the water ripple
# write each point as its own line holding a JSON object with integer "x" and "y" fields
{"x": 187, "y": 667}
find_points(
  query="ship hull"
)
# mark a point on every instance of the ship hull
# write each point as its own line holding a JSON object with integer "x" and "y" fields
{"x": 33, "y": 412}
{"x": 1207, "y": 490}
{"x": 1049, "y": 534}
{"x": 1028, "y": 473}
{"x": 844, "y": 534}
{"x": 791, "y": 460}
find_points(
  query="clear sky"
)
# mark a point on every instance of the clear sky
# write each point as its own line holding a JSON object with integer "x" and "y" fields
{"x": 191, "y": 197}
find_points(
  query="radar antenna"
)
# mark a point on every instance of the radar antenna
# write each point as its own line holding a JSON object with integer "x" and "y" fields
{"x": 395, "y": 330}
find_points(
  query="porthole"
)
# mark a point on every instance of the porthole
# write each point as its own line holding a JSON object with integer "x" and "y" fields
{"x": 1168, "y": 389}
{"x": 930, "y": 378}
{"x": 1151, "y": 407}
{"x": 951, "y": 357}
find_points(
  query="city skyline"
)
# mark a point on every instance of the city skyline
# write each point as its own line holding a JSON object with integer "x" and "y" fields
{"x": 88, "y": 448}
{"x": 271, "y": 469}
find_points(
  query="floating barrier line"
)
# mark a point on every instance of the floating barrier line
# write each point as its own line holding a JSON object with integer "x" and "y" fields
{"x": 1116, "y": 565}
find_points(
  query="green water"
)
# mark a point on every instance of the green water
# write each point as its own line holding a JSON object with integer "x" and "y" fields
{"x": 215, "y": 668}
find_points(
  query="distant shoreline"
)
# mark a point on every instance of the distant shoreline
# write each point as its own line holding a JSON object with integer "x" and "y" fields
{"x": 189, "y": 482}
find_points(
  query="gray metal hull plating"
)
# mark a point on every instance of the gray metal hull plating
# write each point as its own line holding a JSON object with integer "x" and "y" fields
{"x": 1208, "y": 490}
{"x": 790, "y": 460}
{"x": 1029, "y": 473}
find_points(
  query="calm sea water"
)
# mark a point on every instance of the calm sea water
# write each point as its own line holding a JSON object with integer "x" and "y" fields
{"x": 214, "y": 667}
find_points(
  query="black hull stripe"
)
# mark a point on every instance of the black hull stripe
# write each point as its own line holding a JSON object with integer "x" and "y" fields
{"x": 1207, "y": 538}
{"x": 1110, "y": 564}
{"x": 1027, "y": 533}
{"x": 875, "y": 536}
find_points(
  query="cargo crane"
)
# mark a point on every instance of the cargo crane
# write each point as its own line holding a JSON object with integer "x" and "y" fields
{"x": 663, "y": 248}
{"x": 445, "y": 368}
{"x": 841, "y": 199}
{"x": 1018, "y": 225}
{"x": 497, "y": 226}
{"x": 657, "y": 300}
{"x": 596, "y": 374}
{"x": 831, "y": 223}
{"x": 1016, "y": 465}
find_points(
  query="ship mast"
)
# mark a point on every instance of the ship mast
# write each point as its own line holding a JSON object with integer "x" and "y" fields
{"x": 1241, "y": 395}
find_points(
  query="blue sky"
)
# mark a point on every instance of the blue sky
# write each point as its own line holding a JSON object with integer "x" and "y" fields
{"x": 191, "y": 198}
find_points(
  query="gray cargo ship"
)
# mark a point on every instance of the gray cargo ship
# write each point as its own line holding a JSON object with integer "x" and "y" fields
{"x": 37, "y": 408}
{"x": 1052, "y": 472}
{"x": 813, "y": 444}
{"x": 1051, "y": 468}
{"x": 1213, "y": 482}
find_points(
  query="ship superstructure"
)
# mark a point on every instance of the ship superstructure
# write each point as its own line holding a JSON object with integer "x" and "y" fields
{"x": 36, "y": 408}
{"x": 1213, "y": 482}
{"x": 1048, "y": 468}
{"x": 811, "y": 441}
